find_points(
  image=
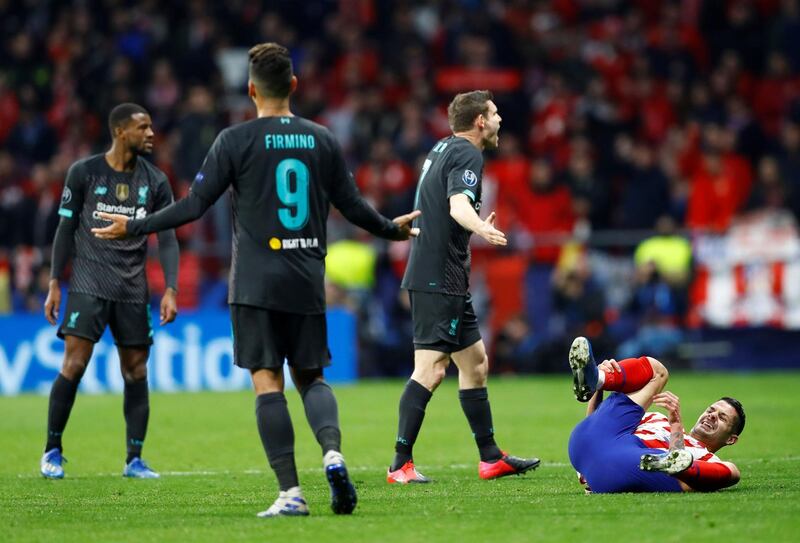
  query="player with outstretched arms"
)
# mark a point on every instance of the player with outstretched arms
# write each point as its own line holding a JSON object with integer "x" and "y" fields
{"x": 437, "y": 279}
{"x": 283, "y": 172}
{"x": 619, "y": 447}
{"x": 108, "y": 286}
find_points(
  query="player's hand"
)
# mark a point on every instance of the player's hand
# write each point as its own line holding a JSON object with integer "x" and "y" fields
{"x": 491, "y": 234}
{"x": 404, "y": 222}
{"x": 671, "y": 403}
{"x": 610, "y": 366}
{"x": 169, "y": 307}
{"x": 53, "y": 302}
{"x": 118, "y": 228}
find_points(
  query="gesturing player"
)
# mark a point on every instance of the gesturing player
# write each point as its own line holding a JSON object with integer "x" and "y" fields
{"x": 108, "y": 284}
{"x": 284, "y": 172}
{"x": 437, "y": 278}
{"x": 620, "y": 448}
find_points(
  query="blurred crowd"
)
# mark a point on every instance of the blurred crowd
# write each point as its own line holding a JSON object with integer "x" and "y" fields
{"x": 627, "y": 125}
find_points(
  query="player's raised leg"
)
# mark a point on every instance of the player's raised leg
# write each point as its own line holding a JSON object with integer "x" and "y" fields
{"x": 640, "y": 378}
{"x": 473, "y": 371}
{"x": 429, "y": 370}
{"x": 322, "y": 413}
{"x": 277, "y": 437}
{"x": 136, "y": 406}
{"x": 77, "y": 353}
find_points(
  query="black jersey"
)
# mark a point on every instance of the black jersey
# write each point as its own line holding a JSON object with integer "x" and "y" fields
{"x": 111, "y": 270}
{"x": 283, "y": 172}
{"x": 440, "y": 257}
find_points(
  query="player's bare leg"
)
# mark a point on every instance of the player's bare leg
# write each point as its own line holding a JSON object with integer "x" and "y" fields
{"x": 77, "y": 352}
{"x": 136, "y": 406}
{"x": 277, "y": 438}
{"x": 429, "y": 371}
{"x": 473, "y": 371}
{"x": 322, "y": 413}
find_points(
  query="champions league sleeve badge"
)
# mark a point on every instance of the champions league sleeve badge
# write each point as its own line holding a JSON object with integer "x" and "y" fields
{"x": 469, "y": 178}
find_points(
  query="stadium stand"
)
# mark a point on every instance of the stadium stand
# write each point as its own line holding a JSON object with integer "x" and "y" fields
{"x": 618, "y": 116}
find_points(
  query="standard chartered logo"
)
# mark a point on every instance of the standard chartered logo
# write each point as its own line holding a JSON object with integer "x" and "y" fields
{"x": 108, "y": 208}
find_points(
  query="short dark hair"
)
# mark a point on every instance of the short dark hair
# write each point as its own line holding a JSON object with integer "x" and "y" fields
{"x": 121, "y": 115}
{"x": 737, "y": 405}
{"x": 465, "y": 107}
{"x": 271, "y": 69}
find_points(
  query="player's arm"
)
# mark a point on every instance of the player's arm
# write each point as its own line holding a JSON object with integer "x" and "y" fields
{"x": 345, "y": 196}
{"x": 64, "y": 241}
{"x": 463, "y": 184}
{"x": 168, "y": 255}
{"x": 214, "y": 177}
{"x": 671, "y": 403}
{"x": 464, "y": 214}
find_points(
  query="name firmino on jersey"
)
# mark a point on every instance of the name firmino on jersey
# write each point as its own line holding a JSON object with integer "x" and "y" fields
{"x": 290, "y": 141}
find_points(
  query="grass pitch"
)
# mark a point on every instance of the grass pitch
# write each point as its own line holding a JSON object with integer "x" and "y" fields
{"x": 215, "y": 477}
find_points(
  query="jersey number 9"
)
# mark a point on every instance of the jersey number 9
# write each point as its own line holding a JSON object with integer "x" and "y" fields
{"x": 295, "y": 215}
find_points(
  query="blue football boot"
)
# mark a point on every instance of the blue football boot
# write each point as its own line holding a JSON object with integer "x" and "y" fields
{"x": 343, "y": 493}
{"x": 138, "y": 469}
{"x": 51, "y": 464}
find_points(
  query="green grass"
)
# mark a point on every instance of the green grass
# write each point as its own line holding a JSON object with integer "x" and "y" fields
{"x": 215, "y": 476}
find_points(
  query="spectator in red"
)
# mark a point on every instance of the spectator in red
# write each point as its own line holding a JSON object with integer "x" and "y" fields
{"x": 774, "y": 93}
{"x": 554, "y": 106}
{"x": 713, "y": 199}
{"x": 384, "y": 177}
{"x": 545, "y": 211}
{"x": 654, "y": 110}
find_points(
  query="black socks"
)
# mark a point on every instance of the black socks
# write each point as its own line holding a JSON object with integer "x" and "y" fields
{"x": 323, "y": 415}
{"x": 475, "y": 403}
{"x": 277, "y": 437}
{"x": 413, "y": 402}
{"x": 62, "y": 396}
{"x": 136, "y": 406}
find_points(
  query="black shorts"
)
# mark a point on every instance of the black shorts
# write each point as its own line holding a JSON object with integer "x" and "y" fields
{"x": 264, "y": 338}
{"x": 87, "y": 317}
{"x": 443, "y": 322}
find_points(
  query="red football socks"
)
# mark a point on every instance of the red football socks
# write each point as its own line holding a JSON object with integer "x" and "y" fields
{"x": 706, "y": 476}
{"x": 635, "y": 374}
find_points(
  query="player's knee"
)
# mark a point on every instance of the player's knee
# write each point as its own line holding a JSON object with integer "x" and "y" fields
{"x": 306, "y": 378}
{"x": 134, "y": 373}
{"x": 430, "y": 377}
{"x": 481, "y": 372}
{"x": 74, "y": 367}
{"x": 660, "y": 372}
{"x": 435, "y": 376}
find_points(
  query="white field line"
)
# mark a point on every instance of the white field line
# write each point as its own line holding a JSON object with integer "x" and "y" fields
{"x": 214, "y": 473}
{"x": 360, "y": 469}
